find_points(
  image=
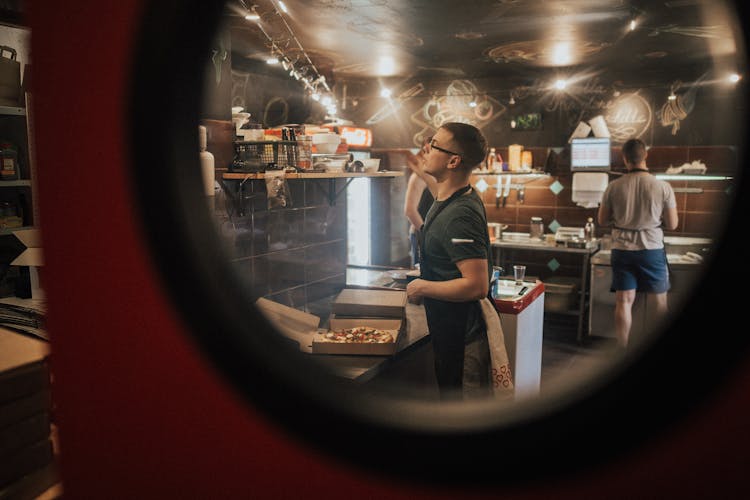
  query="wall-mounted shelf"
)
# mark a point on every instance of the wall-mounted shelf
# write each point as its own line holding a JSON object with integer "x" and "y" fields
{"x": 330, "y": 191}
{"x": 241, "y": 176}
{"x": 11, "y": 230}
{"x": 534, "y": 174}
{"x": 12, "y": 110}
{"x": 18, "y": 183}
{"x": 688, "y": 177}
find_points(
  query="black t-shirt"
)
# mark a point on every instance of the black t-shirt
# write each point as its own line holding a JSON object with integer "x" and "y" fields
{"x": 458, "y": 232}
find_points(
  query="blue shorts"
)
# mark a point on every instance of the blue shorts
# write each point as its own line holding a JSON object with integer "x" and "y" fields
{"x": 640, "y": 270}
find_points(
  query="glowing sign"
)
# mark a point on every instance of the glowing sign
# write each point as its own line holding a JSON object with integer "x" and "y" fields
{"x": 356, "y": 136}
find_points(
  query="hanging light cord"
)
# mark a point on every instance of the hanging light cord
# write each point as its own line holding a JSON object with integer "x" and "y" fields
{"x": 296, "y": 40}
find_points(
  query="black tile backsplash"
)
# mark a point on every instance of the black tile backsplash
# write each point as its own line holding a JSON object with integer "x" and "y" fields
{"x": 293, "y": 254}
{"x": 325, "y": 260}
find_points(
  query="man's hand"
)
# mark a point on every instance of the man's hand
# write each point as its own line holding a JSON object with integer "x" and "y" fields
{"x": 415, "y": 291}
{"x": 415, "y": 161}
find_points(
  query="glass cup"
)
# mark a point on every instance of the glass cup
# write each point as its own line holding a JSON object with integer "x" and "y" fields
{"x": 519, "y": 272}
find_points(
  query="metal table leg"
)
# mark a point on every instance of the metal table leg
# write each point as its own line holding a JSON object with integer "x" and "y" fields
{"x": 584, "y": 294}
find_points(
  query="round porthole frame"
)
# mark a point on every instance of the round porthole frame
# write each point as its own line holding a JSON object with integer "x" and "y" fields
{"x": 461, "y": 444}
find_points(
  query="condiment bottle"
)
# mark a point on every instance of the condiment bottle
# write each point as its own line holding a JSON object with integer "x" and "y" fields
{"x": 491, "y": 160}
{"x": 588, "y": 229}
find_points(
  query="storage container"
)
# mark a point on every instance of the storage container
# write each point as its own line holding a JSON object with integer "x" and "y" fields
{"x": 560, "y": 294}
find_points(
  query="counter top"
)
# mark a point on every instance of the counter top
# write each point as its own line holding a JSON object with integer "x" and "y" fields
{"x": 603, "y": 257}
{"x": 528, "y": 244}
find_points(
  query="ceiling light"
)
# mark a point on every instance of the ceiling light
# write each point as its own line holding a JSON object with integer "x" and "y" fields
{"x": 386, "y": 66}
{"x": 561, "y": 84}
{"x": 252, "y": 15}
{"x": 672, "y": 97}
{"x": 734, "y": 78}
{"x": 561, "y": 54}
{"x": 632, "y": 25}
{"x": 473, "y": 104}
{"x": 512, "y": 124}
{"x": 316, "y": 96}
{"x": 272, "y": 60}
{"x": 385, "y": 93}
{"x": 283, "y": 7}
{"x": 511, "y": 101}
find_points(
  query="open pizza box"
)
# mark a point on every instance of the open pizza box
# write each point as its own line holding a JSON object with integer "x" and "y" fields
{"x": 304, "y": 328}
{"x": 353, "y": 307}
{"x": 292, "y": 323}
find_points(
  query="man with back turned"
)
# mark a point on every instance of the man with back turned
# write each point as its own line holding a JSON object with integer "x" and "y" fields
{"x": 638, "y": 206}
{"x": 455, "y": 263}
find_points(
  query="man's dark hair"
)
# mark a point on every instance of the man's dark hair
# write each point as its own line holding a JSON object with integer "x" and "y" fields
{"x": 634, "y": 151}
{"x": 471, "y": 143}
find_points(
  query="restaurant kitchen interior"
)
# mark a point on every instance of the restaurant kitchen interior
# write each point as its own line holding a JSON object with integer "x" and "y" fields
{"x": 309, "y": 114}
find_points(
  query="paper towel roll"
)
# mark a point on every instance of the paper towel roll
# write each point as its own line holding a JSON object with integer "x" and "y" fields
{"x": 599, "y": 126}
{"x": 588, "y": 188}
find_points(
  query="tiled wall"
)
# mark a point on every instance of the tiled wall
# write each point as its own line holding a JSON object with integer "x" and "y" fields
{"x": 700, "y": 214}
{"x": 295, "y": 255}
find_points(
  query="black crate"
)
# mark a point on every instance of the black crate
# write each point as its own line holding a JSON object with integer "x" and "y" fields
{"x": 259, "y": 156}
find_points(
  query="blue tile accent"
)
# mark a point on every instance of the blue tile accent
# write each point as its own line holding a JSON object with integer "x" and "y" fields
{"x": 553, "y": 264}
{"x": 553, "y": 226}
{"x": 556, "y": 187}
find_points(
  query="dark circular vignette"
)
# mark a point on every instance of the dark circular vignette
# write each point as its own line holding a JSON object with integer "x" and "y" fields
{"x": 659, "y": 387}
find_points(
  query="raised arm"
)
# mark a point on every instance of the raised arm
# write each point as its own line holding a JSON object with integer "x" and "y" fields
{"x": 414, "y": 189}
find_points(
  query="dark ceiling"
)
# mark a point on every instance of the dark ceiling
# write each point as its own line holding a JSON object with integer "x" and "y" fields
{"x": 521, "y": 42}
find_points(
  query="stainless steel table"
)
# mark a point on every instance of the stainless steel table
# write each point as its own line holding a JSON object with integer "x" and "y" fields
{"x": 509, "y": 245}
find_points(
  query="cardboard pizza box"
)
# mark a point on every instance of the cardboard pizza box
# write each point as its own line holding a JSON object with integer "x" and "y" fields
{"x": 364, "y": 303}
{"x": 393, "y": 325}
{"x": 292, "y": 323}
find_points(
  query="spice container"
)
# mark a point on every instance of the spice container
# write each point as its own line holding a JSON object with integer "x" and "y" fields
{"x": 536, "y": 229}
{"x": 8, "y": 162}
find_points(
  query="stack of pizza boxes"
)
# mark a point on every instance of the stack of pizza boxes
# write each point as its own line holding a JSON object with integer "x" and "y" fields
{"x": 384, "y": 310}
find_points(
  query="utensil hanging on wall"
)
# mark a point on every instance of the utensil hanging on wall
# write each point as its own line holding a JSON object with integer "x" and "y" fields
{"x": 506, "y": 191}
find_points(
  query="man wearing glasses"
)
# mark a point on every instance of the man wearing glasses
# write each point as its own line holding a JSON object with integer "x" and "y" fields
{"x": 455, "y": 263}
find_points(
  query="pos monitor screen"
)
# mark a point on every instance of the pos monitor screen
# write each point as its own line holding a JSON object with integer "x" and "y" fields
{"x": 590, "y": 154}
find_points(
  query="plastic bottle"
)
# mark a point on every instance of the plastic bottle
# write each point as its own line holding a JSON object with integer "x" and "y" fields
{"x": 588, "y": 229}
{"x": 207, "y": 163}
{"x": 491, "y": 160}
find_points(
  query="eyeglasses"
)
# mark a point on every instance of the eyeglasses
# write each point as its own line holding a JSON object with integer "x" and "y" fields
{"x": 431, "y": 145}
